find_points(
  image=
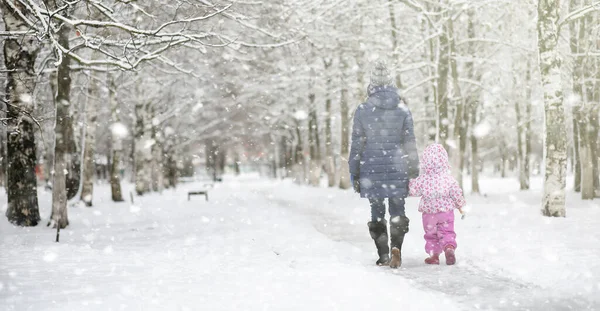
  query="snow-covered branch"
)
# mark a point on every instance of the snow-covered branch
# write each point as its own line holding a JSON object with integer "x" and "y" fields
{"x": 579, "y": 13}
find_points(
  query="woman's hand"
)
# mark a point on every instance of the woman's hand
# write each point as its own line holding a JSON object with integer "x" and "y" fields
{"x": 355, "y": 183}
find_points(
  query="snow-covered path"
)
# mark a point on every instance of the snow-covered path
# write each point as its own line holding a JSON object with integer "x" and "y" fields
{"x": 503, "y": 268}
{"x": 265, "y": 245}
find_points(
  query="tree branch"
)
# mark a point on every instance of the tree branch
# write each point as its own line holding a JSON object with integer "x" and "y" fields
{"x": 579, "y": 13}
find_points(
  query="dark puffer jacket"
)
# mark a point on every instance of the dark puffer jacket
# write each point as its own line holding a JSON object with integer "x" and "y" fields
{"x": 383, "y": 153}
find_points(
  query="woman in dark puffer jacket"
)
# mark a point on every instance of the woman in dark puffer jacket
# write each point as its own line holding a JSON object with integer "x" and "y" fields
{"x": 383, "y": 157}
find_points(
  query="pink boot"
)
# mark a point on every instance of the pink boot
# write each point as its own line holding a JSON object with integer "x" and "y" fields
{"x": 450, "y": 256}
{"x": 433, "y": 259}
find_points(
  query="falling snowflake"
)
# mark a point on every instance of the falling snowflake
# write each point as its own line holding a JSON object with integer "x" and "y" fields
{"x": 119, "y": 130}
{"x": 300, "y": 115}
{"x": 481, "y": 130}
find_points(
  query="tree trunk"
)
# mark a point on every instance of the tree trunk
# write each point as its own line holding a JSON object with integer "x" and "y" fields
{"x": 148, "y": 143}
{"x": 222, "y": 161}
{"x": 157, "y": 170}
{"x": 577, "y": 39}
{"x": 89, "y": 169}
{"x": 474, "y": 152}
{"x": 576, "y": 153}
{"x": 587, "y": 188}
{"x": 590, "y": 131}
{"x": 592, "y": 94}
{"x": 142, "y": 183}
{"x": 66, "y": 122}
{"x": 287, "y": 146}
{"x": 298, "y": 168}
{"x": 460, "y": 123}
{"x": 314, "y": 144}
{"x": 553, "y": 202}
{"x": 2, "y": 145}
{"x": 596, "y": 99}
{"x": 527, "y": 130}
{"x": 117, "y": 143}
{"x": 345, "y": 123}
{"x": 208, "y": 162}
{"x": 236, "y": 164}
{"x": 157, "y": 155}
{"x": 503, "y": 161}
{"x": 586, "y": 151}
{"x": 330, "y": 164}
{"x": 19, "y": 58}
{"x": 63, "y": 149}
{"x": 170, "y": 160}
{"x": 3, "y": 123}
{"x": 143, "y": 148}
{"x": 442, "y": 88}
{"x": 592, "y": 141}
{"x": 430, "y": 127}
{"x": 586, "y": 154}
{"x": 73, "y": 180}
{"x": 520, "y": 132}
{"x": 211, "y": 159}
{"x": 394, "y": 41}
{"x": 276, "y": 157}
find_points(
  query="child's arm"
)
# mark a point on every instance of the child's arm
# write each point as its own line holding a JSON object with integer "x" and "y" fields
{"x": 457, "y": 195}
{"x": 414, "y": 187}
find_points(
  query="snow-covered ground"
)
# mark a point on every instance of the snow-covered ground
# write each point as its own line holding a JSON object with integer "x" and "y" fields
{"x": 273, "y": 245}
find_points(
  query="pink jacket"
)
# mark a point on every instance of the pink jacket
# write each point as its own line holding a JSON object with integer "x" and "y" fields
{"x": 438, "y": 190}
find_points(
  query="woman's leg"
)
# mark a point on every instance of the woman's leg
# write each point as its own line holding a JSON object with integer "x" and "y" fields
{"x": 396, "y": 207}
{"x": 398, "y": 228}
{"x": 377, "y": 209}
{"x": 378, "y": 230}
{"x": 398, "y": 222}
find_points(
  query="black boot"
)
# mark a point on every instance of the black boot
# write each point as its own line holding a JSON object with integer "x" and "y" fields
{"x": 379, "y": 234}
{"x": 398, "y": 228}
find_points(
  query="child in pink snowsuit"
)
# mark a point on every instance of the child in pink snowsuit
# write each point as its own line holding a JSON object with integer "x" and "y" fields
{"x": 440, "y": 195}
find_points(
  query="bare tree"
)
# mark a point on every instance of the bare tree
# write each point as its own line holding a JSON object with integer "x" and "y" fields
{"x": 553, "y": 203}
{"x": 89, "y": 169}
{"x": 119, "y": 131}
{"x": 20, "y": 54}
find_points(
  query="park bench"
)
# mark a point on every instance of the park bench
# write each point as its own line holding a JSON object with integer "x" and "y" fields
{"x": 203, "y": 192}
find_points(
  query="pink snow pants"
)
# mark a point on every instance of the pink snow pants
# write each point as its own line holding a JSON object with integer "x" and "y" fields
{"x": 439, "y": 231}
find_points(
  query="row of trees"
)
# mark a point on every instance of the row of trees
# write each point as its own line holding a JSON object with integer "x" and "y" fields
{"x": 150, "y": 86}
{"x": 126, "y": 70}
{"x": 490, "y": 80}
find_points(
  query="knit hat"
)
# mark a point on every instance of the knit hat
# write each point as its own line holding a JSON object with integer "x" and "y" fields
{"x": 380, "y": 75}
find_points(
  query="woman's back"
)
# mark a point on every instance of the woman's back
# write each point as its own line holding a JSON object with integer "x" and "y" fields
{"x": 384, "y": 125}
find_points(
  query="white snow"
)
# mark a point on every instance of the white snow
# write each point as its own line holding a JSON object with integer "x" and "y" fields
{"x": 274, "y": 245}
{"x": 134, "y": 209}
{"x": 49, "y": 257}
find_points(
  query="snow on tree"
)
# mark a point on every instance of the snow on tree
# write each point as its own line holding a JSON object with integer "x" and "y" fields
{"x": 553, "y": 203}
{"x": 20, "y": 54}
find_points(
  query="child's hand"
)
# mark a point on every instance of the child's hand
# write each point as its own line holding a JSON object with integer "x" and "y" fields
{"x": 463, "y": 213}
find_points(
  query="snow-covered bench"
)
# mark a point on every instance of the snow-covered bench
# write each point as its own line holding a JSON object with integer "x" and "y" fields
{"x": 203, "y": 192}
